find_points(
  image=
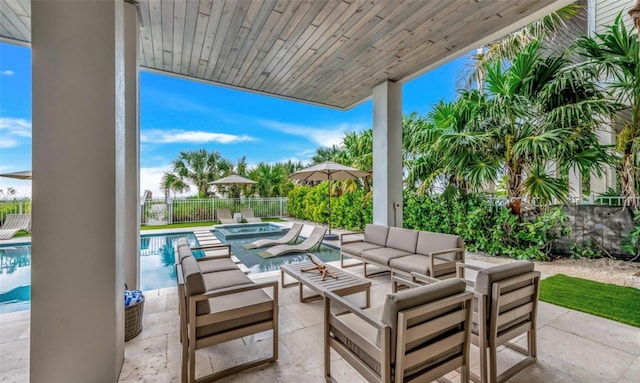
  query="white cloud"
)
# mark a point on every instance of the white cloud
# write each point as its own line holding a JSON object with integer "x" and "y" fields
{"x": 6, "y": 143}
{"x": 13, "y": 131}
{"x": 8, "y": 73}
{"x": 322, "y": 136}
{"x": 159, "y": 136}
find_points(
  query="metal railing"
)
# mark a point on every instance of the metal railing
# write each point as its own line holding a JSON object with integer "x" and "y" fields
{"x": 161, "y": 212}
{"x": 14, "y": 206}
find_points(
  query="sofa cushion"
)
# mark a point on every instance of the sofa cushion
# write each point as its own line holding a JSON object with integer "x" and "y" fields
{"x": 376, "y": 234}
{"x": 382, "y": 255}
{"x": 194, "y": 283}
{"x": 420, "y": 264}
{"x": 183, "y": 252}
{"x": 428, "y": 242}
{"x": 356, "y": 248}
{"x": 222, "y": 279}
{"x": 256, "y": 306}
{"x": 363, "y": 329}
{"x": 402, "y": 239}
{"x": 182, "y": 241}
{"x": 407, "y": 299}
{"x": 215, "y": 265}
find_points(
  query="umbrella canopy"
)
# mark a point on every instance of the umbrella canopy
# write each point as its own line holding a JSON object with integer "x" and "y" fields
{"x": 24, "y": 175}
{"x": 328, "y": 171}
{"x": 233, "y": 179}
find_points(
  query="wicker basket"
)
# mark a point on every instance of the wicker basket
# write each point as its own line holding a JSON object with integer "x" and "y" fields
{"x": 133, "y": 320}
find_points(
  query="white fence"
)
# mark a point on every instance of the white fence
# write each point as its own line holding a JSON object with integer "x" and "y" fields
{"x": 160, "y": 211}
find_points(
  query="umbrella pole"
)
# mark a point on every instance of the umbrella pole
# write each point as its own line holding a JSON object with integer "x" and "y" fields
{"x": 330, "y": 236}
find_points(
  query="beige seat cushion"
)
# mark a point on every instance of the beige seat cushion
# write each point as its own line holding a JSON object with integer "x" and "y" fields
{"x": 376, "y": 234}
{"x": 182, "y": 241}
{"x": 222, "y": 279}
{"x": 356, "y": 248}
{"x": 366, "y": 331}
{"x": 215, "y": 265}
{"x": 420, "y": 264}
{"x": 402, "y": 239}
{"x": 383, "y": 255}
{"x": 183, "y": 252}
{"x": 238, "y": 310}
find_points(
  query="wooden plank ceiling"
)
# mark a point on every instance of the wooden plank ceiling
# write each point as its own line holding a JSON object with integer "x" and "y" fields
{"x": 328, "y": 52}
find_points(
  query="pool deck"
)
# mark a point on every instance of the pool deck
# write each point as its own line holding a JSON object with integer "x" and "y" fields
{"x": 572, "y": 346}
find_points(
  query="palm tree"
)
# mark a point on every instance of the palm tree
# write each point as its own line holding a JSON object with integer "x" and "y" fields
{"x": 612, "y": 60}
{"x": 529, "y": 114}
{"x": 197, "y": 167}
{"x": 271, "y": 180}
{"x": 324, "y": 154}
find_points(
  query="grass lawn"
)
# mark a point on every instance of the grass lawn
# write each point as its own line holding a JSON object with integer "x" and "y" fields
{"x": 605, "y": 300}
{"x": 197, "y": 224}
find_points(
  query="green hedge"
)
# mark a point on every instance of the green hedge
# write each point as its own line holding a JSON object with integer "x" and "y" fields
{"x": 484, "y": 226}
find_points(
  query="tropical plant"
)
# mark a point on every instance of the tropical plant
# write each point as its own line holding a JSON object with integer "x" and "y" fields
{"x": 272, "y": 180}
{"x": 611, "y": 60}
{"x": 532, "y": 113}
{"x": 198, "y": 167}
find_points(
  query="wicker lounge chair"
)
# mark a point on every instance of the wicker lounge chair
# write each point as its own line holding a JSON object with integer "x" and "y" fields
{"x": 15, "y": 223}
{"x": 418, "y": 335}
{"x": 313, "y": 240}
{"x": 224, "y": 216}
{"x": 247, "y": 214}
{"x": 286, "y": 239}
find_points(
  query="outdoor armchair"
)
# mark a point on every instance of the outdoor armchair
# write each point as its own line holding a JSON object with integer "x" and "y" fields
{"x": 420, "y": 334}
{"x": 506, "y": 306}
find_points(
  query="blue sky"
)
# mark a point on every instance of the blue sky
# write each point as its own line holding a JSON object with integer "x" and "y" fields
{"x": 180, "y": 115}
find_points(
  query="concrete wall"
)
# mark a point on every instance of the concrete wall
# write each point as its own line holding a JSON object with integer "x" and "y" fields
{"x": 603, "y": 225}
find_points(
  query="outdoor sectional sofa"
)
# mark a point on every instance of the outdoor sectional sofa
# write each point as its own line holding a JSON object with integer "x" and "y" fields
{"x": 218, "y": 303}
{"x": 403, "y": 251}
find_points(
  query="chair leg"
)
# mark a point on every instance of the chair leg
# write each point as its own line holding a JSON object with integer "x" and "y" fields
{"x": 483, "y": 363}
{"x": 464, "y": 374}
{"x": 493, "y": 364}
{"x": 533, "y": 344}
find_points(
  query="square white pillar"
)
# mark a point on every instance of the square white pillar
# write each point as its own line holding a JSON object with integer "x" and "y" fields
{"x": 128, "y": 176}
{"x": 387, "y": 154}
{"x": 77, "y": 283}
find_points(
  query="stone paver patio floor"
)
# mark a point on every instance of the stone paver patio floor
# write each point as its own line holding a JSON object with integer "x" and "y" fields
{"x": 572, "y": 346}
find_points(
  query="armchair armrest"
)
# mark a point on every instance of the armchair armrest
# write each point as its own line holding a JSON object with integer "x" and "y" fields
{"x": 460, "y": 272}
{"x": 417, "y": 277}
{"x": 348, "y": 306}
{"x": 213, "y": 247}
{"x": 445, "y": 251}
{"x": 344, "y": 235}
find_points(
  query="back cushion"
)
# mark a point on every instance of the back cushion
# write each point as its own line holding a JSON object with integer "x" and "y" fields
{"x": 428, "y": 242}
{"x": 184, "y": 252}
{"x": 194, "y": 283}
{"x": 407, "y": 299}
{"x": 183, "y": 242}
{"x": 486, "y": 277}
{"x": 402, "y": 239}
{"x": 376, "y": 234}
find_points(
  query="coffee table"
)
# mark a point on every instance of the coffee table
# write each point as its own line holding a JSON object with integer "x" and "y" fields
{"x": 345, "y": 284}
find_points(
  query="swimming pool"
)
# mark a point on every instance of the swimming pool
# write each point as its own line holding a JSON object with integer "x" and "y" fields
{"x": 248, "y": 230}
{"x": 157, "y": 268}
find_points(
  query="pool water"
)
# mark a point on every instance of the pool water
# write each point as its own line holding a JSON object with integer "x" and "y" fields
{"x": 157, "y": 268}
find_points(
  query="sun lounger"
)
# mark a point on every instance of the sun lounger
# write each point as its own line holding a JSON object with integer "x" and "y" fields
{"x": 247, "y": 214}
{"x": 286, "y": 239}
{"x": 15, "y": 223}
{"x": 224, "y": 216}
{"x": 313, "y": 240}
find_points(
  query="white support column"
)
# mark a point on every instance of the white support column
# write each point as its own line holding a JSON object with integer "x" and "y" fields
{"x": 129, "y": 191}
{"x": 575, "y": 184}
{"x": 77, "y": 281}
{"x": 601, "y": 184}
{"x": 387, "y": 154}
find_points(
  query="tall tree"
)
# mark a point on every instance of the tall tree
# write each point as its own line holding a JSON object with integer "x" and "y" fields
{"x": 198, "y": 167}
{"x": 612, "y": 61}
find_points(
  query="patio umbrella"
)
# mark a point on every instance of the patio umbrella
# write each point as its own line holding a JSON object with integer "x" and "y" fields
{"x": 23, "y": 175}
{"x": 233, "y": 180}
{"x": 328, "y": 171}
